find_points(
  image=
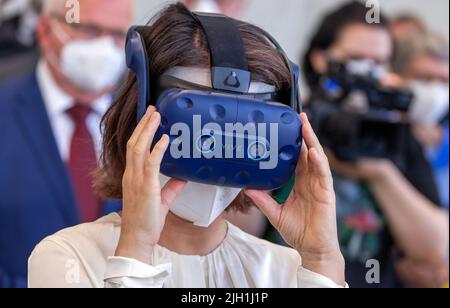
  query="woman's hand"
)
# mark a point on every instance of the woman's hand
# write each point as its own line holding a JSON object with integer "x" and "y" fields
{"x": 145, "y": 204}
{"x": 307, "y": 221}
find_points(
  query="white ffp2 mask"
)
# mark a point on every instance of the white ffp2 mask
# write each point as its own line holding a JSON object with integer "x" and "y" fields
{"x": 365, "y": 68}
{"x": 92, "y": 65}
{"x": 430, "y": 102}
{"x": 201, "y": 204}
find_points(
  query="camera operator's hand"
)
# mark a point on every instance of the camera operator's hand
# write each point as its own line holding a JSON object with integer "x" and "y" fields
{"x": 307, "y": 221}
{"x": 392, "y": 80}
{"x": 419, "y": 274}
{"x": 428, "y": 136}
{"x": 145, "y": 204}
{"x": 419, "y": 227}
{"x": 366, "y": 169}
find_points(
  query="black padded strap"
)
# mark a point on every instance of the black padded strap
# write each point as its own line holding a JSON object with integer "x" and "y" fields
{"x": 228, "y": 57}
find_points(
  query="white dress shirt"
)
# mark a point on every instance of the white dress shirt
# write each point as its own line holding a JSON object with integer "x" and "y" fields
{"x": 83, "y": 257}
{"x": 57, "y": 102}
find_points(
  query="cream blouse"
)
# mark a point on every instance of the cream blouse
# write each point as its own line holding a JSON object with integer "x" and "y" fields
{"x": 83, "y": 257}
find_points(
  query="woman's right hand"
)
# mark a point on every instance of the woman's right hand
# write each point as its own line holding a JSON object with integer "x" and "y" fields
{"x": 145, "y": 204}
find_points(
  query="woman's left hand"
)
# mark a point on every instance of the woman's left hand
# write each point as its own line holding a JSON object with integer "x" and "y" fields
{"x": 307, "y": 221}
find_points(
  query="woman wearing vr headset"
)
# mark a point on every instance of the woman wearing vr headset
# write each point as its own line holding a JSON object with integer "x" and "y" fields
{"x": 148, "y": 245}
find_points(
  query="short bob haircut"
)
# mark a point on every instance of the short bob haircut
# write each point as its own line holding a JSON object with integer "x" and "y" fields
{"x": 174, "y": 38}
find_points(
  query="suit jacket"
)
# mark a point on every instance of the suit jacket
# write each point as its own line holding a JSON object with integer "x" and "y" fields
{"x": 36, "y": 194}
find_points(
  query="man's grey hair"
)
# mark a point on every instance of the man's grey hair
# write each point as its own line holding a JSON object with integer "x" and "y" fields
{"x": 422, "y": 44}
{"x": 50, "y": 7}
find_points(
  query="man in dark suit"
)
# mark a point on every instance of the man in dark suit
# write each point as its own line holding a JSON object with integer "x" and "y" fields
{"x": 50, "y": 128}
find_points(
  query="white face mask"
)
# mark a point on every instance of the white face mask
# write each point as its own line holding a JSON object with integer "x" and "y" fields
{"x": 91, "y": 65}
{"x": 430, "y": 102}
{"x": 206, "y": 6}
{"x": 201, "y": 204}
{"x": 365, "y": 67}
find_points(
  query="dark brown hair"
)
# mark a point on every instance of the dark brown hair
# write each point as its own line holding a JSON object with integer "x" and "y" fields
{"x": 174, "y": 38}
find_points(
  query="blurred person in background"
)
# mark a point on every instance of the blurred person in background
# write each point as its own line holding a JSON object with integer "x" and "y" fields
{"x": 232, "y": 8}
{"x": 406, "y": 26}
{"x": 423, "y": 62}
{"x": 385, "y": 211}
{"x": 50, "y": 128}
{"x": 19, "y": 52}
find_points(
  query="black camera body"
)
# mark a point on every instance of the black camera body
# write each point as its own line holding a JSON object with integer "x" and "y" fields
{"x": 356, "y": 117}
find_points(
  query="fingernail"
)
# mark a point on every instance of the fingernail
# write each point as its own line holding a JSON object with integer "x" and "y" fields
{"x": 155, "y": 115}
{"x": 165, "y": 139}
{"x": 249, "y": 193}
{"x": 151, "y": 109}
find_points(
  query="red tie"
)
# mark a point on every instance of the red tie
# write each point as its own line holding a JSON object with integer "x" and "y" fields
{"x": 82, "y": 163}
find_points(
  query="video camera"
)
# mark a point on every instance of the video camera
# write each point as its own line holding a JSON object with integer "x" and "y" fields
{"x": 356, "y": 117}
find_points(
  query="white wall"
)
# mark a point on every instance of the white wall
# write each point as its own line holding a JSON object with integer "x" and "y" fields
{"x": 293, "y": 21}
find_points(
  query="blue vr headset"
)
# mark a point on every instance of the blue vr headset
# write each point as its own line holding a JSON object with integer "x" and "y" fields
{"x": 222, "y": 136}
